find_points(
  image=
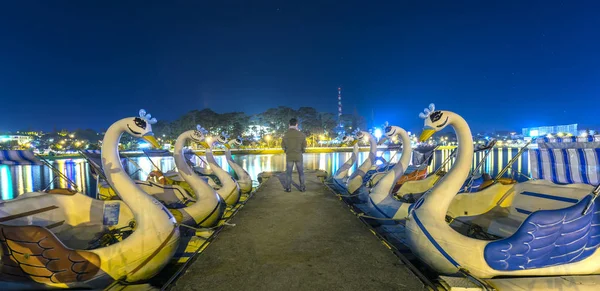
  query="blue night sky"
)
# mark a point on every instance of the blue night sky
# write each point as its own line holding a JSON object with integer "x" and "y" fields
{"x": 500, "y": 64}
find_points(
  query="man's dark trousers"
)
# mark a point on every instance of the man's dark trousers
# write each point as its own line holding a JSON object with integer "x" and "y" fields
{"x": 288, "y": 173}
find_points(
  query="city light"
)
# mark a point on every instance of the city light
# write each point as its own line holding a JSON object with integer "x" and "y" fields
{"x": 378, "y": 133}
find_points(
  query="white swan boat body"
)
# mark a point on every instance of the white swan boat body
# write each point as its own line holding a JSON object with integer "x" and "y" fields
{"x": 555, "y": 229}
{"x": 45, "y": 237}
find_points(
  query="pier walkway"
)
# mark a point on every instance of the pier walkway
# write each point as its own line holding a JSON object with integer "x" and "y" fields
{"x": 296, "y": 241}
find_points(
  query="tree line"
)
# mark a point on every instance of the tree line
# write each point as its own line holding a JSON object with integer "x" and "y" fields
{"x": 272, "y": 122}
{"x": 263, "y": 129}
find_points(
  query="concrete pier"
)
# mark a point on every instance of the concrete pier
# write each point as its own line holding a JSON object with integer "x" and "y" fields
{"x": 296, "y": 241}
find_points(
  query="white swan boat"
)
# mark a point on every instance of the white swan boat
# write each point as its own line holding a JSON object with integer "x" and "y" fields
{"x": 243, "y": 178}
{"x": 51, "y": 239}
{"x": 542, "y": 229}
{"x": 381, "y": 201}
{"x": 357, "y": 179}
{"x": 230, "y": 190}
{"x": 342, "y": 172}
{"x": 209, "y": 206}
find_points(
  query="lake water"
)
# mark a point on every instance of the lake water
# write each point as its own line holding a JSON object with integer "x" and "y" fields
{"x": 15, "y": 180}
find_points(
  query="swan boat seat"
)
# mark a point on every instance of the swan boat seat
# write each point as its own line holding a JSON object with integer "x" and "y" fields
{"x": 566, "y": 168}
{"x": 523, "y": 199}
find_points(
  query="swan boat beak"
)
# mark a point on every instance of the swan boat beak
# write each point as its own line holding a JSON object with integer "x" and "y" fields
{"x": 354, "y": 142}
{"x": 228, "y": 146}
{"x": 382, "y": 140}
{"x": 426, "y": 134}
{"x": 204, "y": 144}
{"x": 151, "y": 140}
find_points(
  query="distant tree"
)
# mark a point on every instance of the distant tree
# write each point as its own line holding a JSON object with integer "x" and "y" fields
{"x": 328, "y": 122}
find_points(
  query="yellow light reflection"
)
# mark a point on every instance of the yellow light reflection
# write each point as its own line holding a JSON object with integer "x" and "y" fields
{"x": 500, "y": 160}
{"x": 19, "y": 179}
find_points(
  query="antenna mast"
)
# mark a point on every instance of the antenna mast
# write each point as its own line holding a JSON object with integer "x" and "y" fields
{"x": 340, "y": 106}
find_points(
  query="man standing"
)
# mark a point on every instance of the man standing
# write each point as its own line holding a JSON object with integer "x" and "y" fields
{"x": 294, "y": 145}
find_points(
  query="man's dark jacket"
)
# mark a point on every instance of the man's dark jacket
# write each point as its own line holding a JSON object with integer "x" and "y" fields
{"x": 293, "y": 144}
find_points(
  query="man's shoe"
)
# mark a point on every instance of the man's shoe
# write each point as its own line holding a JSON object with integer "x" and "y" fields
{"x": 303, "y": 189}
{"x": 288, "y": 190}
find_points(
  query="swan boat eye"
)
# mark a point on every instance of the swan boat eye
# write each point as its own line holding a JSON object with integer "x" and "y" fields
{"x": 435, "y": 116}
{"x": 140, "y": 123}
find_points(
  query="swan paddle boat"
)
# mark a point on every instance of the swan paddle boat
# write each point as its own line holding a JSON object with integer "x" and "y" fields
{"x": 359, "y": 177}
{"x": 380, "y": 201}
{"x": 341, "y": 174}
{"x": 230, "y": 190}
{"x": 243, "y": 178}
{"x": 209, "y": 206}
{"x": 64, "y": 239}
{"x": 539, "y": 228}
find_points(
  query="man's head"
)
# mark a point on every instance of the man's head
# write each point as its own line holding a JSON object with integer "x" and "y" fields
{"x": 293, "y": 122}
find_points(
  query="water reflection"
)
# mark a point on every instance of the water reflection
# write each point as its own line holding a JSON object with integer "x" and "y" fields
{"x": 15, "y": 180}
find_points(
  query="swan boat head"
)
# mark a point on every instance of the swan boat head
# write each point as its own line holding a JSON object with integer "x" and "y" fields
{"x": 234, "y": 142}
{"x": 222, "y": 139}
{"x": 141, "y": 127}
{"x": 199, "y": 136}
{"x": 349, "y": 140}
{"x": 434, "y": 121}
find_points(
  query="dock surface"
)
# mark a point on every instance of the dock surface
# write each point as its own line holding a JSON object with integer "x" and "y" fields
{"x": 296, "y": 241}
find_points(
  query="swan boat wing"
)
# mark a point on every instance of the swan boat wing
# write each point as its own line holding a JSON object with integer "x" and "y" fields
{"x": 549, "y": 238}
{"x": 34, "y": 253}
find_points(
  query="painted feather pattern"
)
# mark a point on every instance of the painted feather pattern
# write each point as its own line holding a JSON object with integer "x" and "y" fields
{"x": 34, "y": 253}
{"x": 549, "y": 238}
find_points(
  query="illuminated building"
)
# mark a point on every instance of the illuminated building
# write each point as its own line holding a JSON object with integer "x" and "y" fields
{"x": 544, "y": 130}
{"x": 20, "y": 139}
